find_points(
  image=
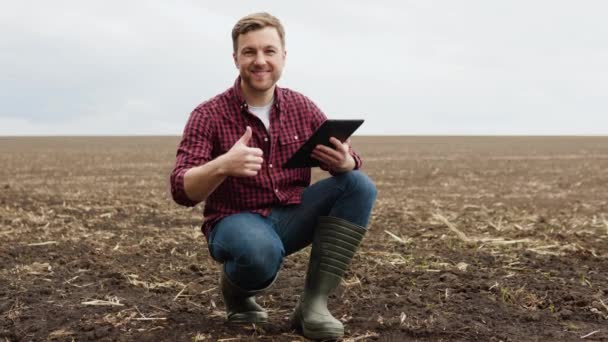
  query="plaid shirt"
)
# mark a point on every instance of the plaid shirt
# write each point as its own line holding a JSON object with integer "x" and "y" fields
{"x": 214, "y": 127}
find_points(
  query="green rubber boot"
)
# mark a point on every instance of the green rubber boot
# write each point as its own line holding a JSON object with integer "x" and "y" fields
{"x": 334, "y": 245}
{"x": 241, "y": 306}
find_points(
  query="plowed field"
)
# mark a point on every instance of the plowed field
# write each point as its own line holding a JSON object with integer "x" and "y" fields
{"x": 471, "y": 239}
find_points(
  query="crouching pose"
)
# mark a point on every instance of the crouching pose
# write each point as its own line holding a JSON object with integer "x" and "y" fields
{"x": 256, "y": 212}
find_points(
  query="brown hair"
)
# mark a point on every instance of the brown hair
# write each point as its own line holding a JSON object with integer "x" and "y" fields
{"x": 256, "y": 21}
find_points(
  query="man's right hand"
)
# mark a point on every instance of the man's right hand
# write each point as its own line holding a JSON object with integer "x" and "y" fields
{"x": 242, "y": 160}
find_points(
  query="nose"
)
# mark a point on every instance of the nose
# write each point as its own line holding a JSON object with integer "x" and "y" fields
{"x": 260, "y": 58}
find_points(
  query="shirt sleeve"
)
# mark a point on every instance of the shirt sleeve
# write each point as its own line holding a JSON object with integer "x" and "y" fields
{"x": 318, "y": 117}
{"x": 194, "y": 149}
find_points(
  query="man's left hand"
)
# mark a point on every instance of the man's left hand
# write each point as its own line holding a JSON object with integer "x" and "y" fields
{"x": 338, "y": 159}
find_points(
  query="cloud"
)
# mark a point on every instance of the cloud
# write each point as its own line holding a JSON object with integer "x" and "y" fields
{"x": 406, "y": 67}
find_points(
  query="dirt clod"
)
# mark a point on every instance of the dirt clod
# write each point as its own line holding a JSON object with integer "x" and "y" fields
{"x": 491, "y": 239}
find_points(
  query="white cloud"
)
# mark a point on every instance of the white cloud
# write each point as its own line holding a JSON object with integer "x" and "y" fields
{"x": 408, "y": 67}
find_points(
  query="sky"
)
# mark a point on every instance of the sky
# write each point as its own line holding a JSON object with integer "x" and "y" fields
{"x": 515, "y": 67}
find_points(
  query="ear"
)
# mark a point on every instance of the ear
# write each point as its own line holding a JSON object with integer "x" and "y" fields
{"x": 284, "y": 53}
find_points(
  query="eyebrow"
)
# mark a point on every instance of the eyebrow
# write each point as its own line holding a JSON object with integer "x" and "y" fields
{"x": 248, "y": 47}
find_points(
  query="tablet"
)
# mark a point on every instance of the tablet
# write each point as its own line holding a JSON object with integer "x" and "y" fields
{"x": 340, "y": 129}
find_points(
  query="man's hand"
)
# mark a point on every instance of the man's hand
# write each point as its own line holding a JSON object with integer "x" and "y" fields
{"x": 242, "y": 160}
{"x": 338, "y": 159}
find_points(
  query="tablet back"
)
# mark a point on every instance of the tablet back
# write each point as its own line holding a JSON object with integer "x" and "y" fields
{"x": 340, "y": 129}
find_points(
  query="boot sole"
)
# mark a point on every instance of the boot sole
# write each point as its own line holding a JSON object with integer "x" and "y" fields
{"x": 315, "y": 334}
{"x": 248, "y": 317}
{"x": 322, "y": 334}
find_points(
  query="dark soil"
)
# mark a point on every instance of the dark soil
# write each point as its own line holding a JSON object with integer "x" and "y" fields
{"x": 471, "y": 239}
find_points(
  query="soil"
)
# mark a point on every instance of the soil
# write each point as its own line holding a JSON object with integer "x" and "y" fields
{"x": 471, "y": 239}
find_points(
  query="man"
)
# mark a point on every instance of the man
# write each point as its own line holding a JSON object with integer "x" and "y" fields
{"x": 256, "y": 212}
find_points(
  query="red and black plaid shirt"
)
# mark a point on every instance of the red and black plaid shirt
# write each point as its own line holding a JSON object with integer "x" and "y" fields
{"x": 214, "y": 127}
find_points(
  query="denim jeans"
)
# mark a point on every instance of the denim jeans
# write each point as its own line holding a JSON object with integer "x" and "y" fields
{"x": 252, "y": 247}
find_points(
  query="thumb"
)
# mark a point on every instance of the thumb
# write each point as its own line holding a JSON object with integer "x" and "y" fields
{"x": 246, "y": 137}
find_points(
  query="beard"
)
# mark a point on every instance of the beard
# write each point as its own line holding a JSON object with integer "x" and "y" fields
{"x": 260, "y": 85}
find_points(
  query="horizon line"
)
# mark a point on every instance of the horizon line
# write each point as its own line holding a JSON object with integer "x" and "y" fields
{"x": 356, "y": 135}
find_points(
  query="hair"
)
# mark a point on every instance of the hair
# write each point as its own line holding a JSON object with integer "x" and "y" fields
{"x": 256, "y": 21}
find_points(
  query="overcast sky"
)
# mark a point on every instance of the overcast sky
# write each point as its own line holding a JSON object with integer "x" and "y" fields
{"x": 407, "y": 67}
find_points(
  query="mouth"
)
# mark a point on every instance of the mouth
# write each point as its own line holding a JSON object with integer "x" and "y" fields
{"x": 260, "y": 72}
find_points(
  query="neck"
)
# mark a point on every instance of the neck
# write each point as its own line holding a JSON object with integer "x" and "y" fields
{"x": 257, "y": 98}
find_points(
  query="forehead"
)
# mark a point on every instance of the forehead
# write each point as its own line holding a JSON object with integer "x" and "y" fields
{"x": 267, "y": 36}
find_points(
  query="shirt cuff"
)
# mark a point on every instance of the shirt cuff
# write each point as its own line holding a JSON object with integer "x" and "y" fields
{"x": 177, "y": 190}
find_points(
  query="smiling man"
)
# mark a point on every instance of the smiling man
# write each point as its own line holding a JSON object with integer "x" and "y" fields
{"x": 256, "y": 213}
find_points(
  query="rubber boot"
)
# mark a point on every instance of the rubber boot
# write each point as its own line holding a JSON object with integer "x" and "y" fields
{"x": 241, "y": 306}
{"x": 334, "y": 245}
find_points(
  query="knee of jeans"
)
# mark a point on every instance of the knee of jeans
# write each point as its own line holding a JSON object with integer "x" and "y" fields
{"x": 361, "y": 183}
{"x": 261, "y": 259}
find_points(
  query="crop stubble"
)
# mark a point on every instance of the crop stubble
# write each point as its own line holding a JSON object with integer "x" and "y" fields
{"x": 472, "y": 238}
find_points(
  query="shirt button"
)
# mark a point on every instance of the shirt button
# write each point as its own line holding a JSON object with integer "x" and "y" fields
{"x": 296, "y": 137}
{"x": 270, "y": 166}
{"x": 276, "y": 190}
{"x": 265, "y": 139}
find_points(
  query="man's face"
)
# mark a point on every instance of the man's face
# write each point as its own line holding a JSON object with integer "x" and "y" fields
{"x": 260, "y": 58}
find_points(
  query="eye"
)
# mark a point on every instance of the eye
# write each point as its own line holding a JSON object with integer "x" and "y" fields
{"x": 248, "y": 52}
{"x": 270, "y": 52}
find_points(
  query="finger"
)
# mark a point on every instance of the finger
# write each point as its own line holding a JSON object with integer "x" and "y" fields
{"x": 334, "y": 141}
{"x": 256, "y": 151}
{"x": 340, "y": 146}
{"x": 249, "y": 173}
{"x": 330, "y": 154}
{"x": 326, "y": 157}
{"x": 323, "y": 164}
{"x": 326, "y": 163}
{"x": 253, "y": 166}
{"x": 254, "y": 160}
{"x": 318, "y": 156}
{"x": 246, "y": 137}
{"x": 315, "y": 157}
{"x": 330, "y": 151}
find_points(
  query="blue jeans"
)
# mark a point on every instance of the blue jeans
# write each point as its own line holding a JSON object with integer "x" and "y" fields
{"x": 252, "y": 247}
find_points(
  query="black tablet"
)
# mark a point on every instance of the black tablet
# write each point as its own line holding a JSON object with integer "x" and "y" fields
{"x": 340, "y": 129}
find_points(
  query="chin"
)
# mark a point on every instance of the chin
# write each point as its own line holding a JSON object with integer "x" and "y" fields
{"x": 262, "y": 86}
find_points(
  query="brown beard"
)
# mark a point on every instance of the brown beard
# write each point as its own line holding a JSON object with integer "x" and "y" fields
{"x": 248, "y": 81}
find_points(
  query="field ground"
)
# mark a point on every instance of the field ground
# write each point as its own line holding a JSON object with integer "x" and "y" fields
{"x": 471, "y": 239}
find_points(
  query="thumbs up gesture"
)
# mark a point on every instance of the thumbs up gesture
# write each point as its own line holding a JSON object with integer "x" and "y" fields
{"x": 242, "y": 160}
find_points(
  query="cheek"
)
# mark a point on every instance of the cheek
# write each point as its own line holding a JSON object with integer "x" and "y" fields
{"x": 276, "y": 60}
{"x": 277, "y": 66}
{"x": 242, "y": 63}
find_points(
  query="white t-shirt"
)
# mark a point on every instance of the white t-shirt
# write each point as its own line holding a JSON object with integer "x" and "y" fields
{"x": 263, "y": 113}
